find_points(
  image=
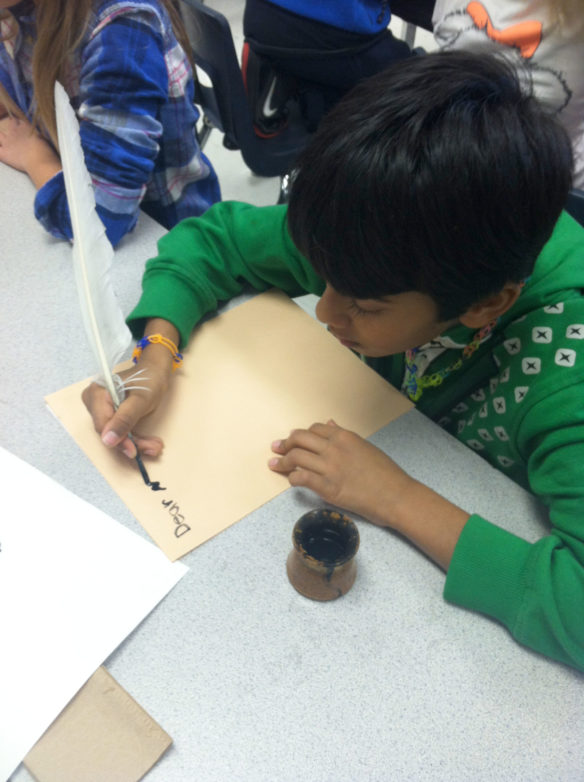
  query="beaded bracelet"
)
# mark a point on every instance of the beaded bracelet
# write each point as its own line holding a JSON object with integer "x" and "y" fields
{"x": 158, "y": 339}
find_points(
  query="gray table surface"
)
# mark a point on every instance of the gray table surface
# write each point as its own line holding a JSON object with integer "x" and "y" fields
{"x": 253, "y": 681}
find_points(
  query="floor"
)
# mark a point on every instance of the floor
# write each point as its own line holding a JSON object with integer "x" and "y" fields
{"x": 237, "y": 182}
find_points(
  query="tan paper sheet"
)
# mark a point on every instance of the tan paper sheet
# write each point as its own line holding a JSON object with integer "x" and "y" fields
{"x": 249, "y": 377}
{"x": 102, "y": 735}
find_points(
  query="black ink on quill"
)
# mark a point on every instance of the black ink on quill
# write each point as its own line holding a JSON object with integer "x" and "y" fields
{"x": 142, "y": 469}
{"x": 154, "y": 485}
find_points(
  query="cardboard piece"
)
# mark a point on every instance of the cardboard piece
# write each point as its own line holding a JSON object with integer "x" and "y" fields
{"x": 102, "y": 735}
{"x": 249, "y": 376}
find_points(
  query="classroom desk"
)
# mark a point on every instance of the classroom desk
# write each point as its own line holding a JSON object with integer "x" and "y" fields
{"x": 253, "y": 681}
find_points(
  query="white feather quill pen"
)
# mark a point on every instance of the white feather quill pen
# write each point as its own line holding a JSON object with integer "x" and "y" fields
{"x": 93, "y": 254}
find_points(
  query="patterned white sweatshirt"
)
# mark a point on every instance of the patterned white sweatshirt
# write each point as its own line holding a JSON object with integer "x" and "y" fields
{"x": 550, "y": 55}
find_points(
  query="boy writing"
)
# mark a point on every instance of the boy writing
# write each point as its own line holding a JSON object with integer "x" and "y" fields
{"x": 427, "y": 214}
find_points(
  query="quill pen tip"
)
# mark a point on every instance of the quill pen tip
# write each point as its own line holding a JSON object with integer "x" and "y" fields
{"x": 140, "y": 463}
{"x": 142, "y": 469}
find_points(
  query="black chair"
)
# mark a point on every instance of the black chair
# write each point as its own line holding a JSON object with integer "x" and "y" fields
{"x": 224, "y": 104}
{"x": 575, "y": 205}
{"x": 416, "y": 12}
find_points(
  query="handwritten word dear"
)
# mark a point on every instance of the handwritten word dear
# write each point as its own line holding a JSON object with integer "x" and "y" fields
{"x": 179, "y": 519}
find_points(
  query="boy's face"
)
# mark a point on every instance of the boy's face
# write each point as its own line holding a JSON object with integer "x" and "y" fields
{"x": 381, "y": 327}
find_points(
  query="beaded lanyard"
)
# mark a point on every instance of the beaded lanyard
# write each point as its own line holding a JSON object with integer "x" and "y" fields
{"x": 414, "y": 386}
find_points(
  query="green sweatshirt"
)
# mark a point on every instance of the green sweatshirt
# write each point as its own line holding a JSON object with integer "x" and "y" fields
{"x": 518, "y": 402}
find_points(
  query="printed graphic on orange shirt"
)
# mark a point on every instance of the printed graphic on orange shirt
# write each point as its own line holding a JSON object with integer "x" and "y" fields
{"x": 525, "y": 36}
{"x": 522, "y": 43}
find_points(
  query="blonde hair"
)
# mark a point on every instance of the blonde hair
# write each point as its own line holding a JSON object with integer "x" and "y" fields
{"x": 60, "y": 28}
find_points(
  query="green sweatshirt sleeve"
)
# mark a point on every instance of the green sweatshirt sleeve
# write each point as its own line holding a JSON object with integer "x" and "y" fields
{"x": 205, "y": 260}
{"x": 535, "y": 589}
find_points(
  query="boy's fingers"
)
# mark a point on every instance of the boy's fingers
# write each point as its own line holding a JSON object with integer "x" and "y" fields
{"x": 309, "y": 440}
{"x": 149, "y": 445}
{"x": 308, "y": 480}
{"x": 297, "y": 459}
{"x": 99, "y": 404}
{"x": 123, "y": 421}
{"x": 323, "y": 430}
{"x": 113, "y": 426}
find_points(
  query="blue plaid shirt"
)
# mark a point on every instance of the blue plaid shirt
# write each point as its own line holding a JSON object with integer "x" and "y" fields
{"x": 132, "y": 88}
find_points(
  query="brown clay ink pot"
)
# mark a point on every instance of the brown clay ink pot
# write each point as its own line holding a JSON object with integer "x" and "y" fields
{"x": 322, "y": 564}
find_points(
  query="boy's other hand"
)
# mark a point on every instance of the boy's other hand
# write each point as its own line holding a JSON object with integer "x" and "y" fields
{"x": 345, "y": 470}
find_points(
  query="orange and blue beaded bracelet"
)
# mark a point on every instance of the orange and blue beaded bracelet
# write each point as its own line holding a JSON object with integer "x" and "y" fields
{"x": 158, "y": 339}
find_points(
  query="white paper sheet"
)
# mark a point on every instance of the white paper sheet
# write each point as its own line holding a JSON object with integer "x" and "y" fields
{"x": 73, "y": 584}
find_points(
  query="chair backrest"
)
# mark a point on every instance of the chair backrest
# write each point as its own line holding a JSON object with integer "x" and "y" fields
{"x": 418, "y": 13}
{"x": 225, "y": 103}
{"x": 575, "y": 205}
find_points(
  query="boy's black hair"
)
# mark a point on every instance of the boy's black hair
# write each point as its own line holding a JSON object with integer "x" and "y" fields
{"x": 438, "y": 175}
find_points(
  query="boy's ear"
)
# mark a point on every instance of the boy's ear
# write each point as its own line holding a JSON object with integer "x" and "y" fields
{"x": 486, "y": 310}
